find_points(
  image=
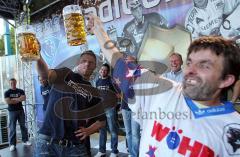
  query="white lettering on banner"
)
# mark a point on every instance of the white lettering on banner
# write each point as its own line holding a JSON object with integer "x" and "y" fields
{"x": 90, "y": 10}
{"x": 48, "y": 26}
{"x": 191, "y": 17}
{"x": 126, "y": 10}
{"x": 105, "y": 10}
{"x": 117, "y": 8}
{"x": 109, "y": 11}
{"x": 151, "y": 4}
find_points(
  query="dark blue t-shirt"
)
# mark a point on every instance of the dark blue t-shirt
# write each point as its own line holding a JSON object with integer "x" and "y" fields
{"x": 45, "y": 90}
{"x": 105, "y": 84}
{"x": 14, "y": 94}
{"x": 62, "y": 101}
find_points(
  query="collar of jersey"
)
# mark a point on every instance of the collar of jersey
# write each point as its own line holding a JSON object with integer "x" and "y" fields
{"x": 226, "y": 108}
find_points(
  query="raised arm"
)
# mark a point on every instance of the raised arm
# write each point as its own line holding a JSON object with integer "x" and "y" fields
{"x": 42, "y": 68}
{"x": 110, "y": 51}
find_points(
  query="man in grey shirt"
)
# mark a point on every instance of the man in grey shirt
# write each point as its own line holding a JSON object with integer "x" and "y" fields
{"x": 175, "y": 73}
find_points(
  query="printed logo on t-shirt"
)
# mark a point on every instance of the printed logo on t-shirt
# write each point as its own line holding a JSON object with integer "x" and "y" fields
{"x": 180, "y": 143}
{"x": 14, "y": 95}
{"x": 231, "y": 138}
{"x": 103, "y": 87}
{"x": 46, "y": 92}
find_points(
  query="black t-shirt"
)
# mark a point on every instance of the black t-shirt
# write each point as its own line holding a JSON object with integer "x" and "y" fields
{"x": 63, "y": 101}
{"x": 14, "y": 94}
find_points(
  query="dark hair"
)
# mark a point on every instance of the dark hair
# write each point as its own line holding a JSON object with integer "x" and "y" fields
{"x": 89, "y": 52}
{"x": 12, "y": 79}
{"x": 220, "y": 46}
{"x": 107, "y": 66}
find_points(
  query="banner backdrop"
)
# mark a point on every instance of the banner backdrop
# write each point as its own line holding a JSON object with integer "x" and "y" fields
{"x": 126, "y": 21}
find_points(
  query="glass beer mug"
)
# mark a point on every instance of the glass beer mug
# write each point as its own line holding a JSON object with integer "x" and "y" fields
{"x": 74, "y": 25}
{"x": 28, "y": 44}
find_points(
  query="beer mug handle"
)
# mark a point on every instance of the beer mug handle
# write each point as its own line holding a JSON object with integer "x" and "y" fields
{"x": 85, "y": 22}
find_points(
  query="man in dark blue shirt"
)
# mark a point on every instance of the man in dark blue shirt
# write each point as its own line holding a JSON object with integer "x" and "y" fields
{"x": 64, "y": 131}
{"x": 45, "y": 90}
{"x": 105, "y": 83}
{"x": 14, "y": 97}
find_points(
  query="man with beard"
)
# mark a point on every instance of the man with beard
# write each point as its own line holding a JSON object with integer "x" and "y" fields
{"x": 207, "y": 16}
{"x": 181, "y": 119}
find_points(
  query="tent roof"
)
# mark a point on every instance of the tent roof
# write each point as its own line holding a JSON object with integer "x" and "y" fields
{"x": 10, "y": 8}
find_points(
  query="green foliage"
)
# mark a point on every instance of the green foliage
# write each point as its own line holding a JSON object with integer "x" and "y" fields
{"x": 2, "y": 51}
{"x": 12, "y": 40}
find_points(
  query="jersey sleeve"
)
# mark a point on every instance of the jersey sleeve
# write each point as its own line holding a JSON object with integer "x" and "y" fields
{"x": 230, "y": 6}
{"x": 190, "y": 23}
{"x": 22, "y": 92}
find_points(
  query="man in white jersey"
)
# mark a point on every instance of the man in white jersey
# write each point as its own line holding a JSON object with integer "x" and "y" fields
{"x": 208, "y": 16}
{"x": 183, "y": 120}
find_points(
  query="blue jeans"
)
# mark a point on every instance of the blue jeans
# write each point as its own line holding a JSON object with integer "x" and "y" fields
{"x": 113, "y": 129}
{"x": 15, "y": 116}
{"x": 132, "y": 129}
{"x": 44, "y": 149}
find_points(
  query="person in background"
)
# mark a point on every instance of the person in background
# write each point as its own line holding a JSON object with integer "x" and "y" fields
{"x": 175, "y": 73}
{"x": 14, "y": 98}
{"x": 132, "y": 128}
{"x": 105, "y": 83}
{"x": 45, "y": 90}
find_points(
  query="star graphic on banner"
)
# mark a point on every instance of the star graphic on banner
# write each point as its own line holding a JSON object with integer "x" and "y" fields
{"x": 151, "y": 151}
{"x": 117, "y": 81}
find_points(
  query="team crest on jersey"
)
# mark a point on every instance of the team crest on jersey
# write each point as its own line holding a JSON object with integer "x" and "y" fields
{"x": 231, "y": 138}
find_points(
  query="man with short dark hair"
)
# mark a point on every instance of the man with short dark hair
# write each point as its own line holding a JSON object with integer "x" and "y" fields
{"x": 103, "y": 83}
{"x": 14, "y": 97}
{"x": 63, "y": 133}
{"x": 187, "y": 119}
{"x": 175, "y": 73}
{"x": 45, "y": 90}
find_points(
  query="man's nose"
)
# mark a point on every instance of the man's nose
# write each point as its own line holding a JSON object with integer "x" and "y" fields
{"x": 191, "y": 69}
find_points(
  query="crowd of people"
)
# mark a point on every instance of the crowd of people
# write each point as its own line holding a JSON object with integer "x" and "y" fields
{"x": 179, "y": 113}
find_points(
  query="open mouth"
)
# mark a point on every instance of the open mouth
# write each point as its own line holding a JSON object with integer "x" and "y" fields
{"x": 191, "y": 81}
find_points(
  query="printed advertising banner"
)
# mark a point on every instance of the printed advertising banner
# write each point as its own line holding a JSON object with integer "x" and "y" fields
{"x": 147, "y": 29}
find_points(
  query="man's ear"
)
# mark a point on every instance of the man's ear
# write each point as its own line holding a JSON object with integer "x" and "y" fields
{"x": 227, "y": 81}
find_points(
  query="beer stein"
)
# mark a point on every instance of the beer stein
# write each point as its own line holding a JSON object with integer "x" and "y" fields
{"x": 74, "y": 25}
{"x": 28, "y": 44}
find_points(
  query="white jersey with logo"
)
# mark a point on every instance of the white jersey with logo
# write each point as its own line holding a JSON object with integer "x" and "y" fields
{"x": 169, "y": 128}
{"x": 207, "y": 21}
